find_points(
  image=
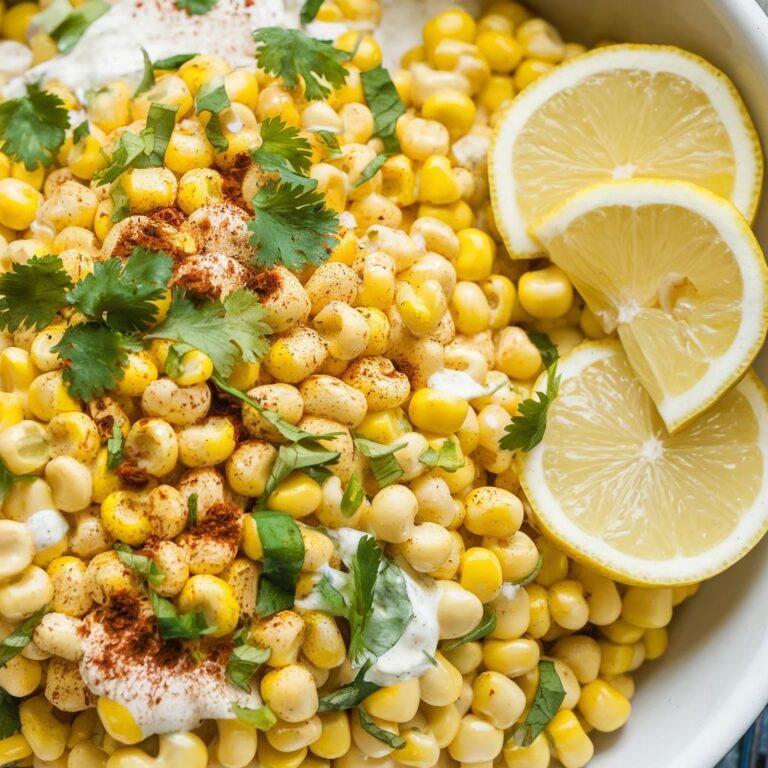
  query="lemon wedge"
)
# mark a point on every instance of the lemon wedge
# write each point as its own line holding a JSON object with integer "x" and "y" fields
{"x": 624, "y": 111}
{"x": 678, "y": 273}
{"x": 612, "y": 487}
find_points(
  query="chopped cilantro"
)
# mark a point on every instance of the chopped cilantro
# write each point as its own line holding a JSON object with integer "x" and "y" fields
{"x": 370, "y": 170}
{"x": 368, "y": 724}
{"x": 68, "y": 33}
{"x": 284, "y": 151}
{"x": 227, "y": 331}
{"x": 18, "y": 640}
{"x": 244, "y": 663}
{"x": 349, "y": 695}
{"x": 10, "y": 722}
{"x": 192, "y": 503}
{"x": 212, "y": 97}
{"x": 309, "y": 10}
{"x": 385, "y": 104}
{"x": 146, "y": 567}
{"x": 381, "y": 459}
{"x": 330, "y": 141}
{"x": 549, "y": 696}
{"x": 296, "y": 57}
{"x": 353, "y": 497}
{"x": 33, "y": 127}
{"x": 196, "y": 7}
{"x": 483, "y": 629}
{"x": 172, "y": 624}
{"x": 8, "y": 479}
{"x": 446, "y": 457}
{"x": 81, "y": 131}
{"x": 291, "y": 226}
{"x": 262, "y": 718}
{"x": 120, "y": 202}
{"x": 293, "y": 457}
{"x": 115, "y": 453}
{"x": 148, "y": 78}
{"x": 174, "y": 62}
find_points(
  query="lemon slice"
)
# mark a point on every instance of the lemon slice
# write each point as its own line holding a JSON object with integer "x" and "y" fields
{"x": 678, "y": 273}
{"x": 619, "y": 493}
{"x": 624, "y": 111}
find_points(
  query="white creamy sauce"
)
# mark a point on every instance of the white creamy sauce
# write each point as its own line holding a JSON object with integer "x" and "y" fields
{"x": 162, "y": 701}
{"x": 15, "y": 58}
{"x": 458, "y": 383}
{"x": 406, "y": 659}
{"x": 48, "y": 527}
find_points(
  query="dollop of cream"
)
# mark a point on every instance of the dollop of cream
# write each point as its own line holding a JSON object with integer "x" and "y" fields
{"x": 48, "y": 527}
{"x": 161, "y": 700}
{"x": 458, "y": 383}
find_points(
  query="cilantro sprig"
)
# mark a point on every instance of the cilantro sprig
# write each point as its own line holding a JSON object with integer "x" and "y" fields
{"x": 33, "y": 127}
{"x": 295, "y": 57}
{"x": 349, "y": 695}
{"x": 527, "y": 430}
{"x": 292, "y": 226}
{"x": 212, "y": 98}
{"x": 386, "y": 105}
{"x": 227, "y": 331}
{"x": 284, "y": 151}
{"x": 174, "y": 625}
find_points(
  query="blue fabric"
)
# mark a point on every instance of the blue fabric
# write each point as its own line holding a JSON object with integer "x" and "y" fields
{"x": 752, "y": 750}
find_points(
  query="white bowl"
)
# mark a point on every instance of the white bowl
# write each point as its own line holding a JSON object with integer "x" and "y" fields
{"x": 696, "y": 702}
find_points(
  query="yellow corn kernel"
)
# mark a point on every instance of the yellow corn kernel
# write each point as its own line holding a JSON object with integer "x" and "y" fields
{"x": 572, "y": 746}
{"x": 498, "y": 699}
{"x": 535, "y": 756}
{"x": 169, "y": 90}
{"x": 511, "y": 657}
{"x": 102, "y": 219}
{"x": 546, "y": 293}
{"x": 44, "y": 733}
{"x": 554, "y": 564}
{"x": 476, "y": 741}
{"x": 420, "y": 750}
{"x": 529, "y": 71}
{"x": 269, "y": 757}
{"x": 290, "y": 693}
{"x": 215, "y": 599}
{"x": 124, "y": 516}
{"x": 104, "y": 480}
{"x": 201, "y": 70}
{"x": 378, "y": 330}
{"x": 470, "y": 309}
{"x": 188, "y": 148}
{"x": 647, "y": 608}
{"x": 323, "y": 644}
{"x": 138, "y": 374}
{"x": 384, "y": 426}
{"x": 149, "y": 188}
{"x": 476, "y": 254}
{"x": 458, "y": 215}
{"x": 433, "y": 410}
{"x": 118, "y": 722}
{"x": 498, "y": 91}
{"x": 11, "y": 409}
{"x": 291, "y": 737}
{"x": 199, "y": 187}
{"x": 244, "y": 375}
{"x": 335, "y": 738}
{"x": 16, "y": 21}
{"x": 421, "y": 306}
{"x": 14, "y": 748}
{"x": 23, "y": 447}
{"x": 436, "y": 182}
{"x": 567, "y": 605}
{"x": 86, "y": 158}
{"x": 399, "y": 180}
{"x": 394, "y": 703}
{"x": 481, "y": 573}
{"x": 501, "y": 50}
{"x": 237, "y": 742}
{"x": 655, "y": 641}
{"x": 367, "y": 53}
{"x": 451, "y": 25}
{"x": 349, "y": 93}
{"x": 456, "y": 111}
{"x": 194, "y": 367}
{"x": 34, "y": 177}
{"x": 242, "y": 86}
{"x": 298, "y": 495}
{"x": 539, "y": 608}
{"x": 49, "y": 396}
{"x": 603, "y": 707}
{"x": 208, "y": 443}
{"x": 615, "y": 659}
{"x": 622, "y": 632}
{"x": 18, "y": 199}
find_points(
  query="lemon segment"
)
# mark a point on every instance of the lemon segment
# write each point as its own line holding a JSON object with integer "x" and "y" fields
{"x": 624, "y": 111}
{"x": 621, "y": 494}
{"x": 678, "y": 273}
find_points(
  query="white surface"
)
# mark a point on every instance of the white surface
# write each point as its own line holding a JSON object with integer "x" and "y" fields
{"x": 695, "y": 703}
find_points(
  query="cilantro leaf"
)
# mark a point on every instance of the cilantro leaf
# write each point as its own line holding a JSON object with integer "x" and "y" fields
{"x": 148, "y": 78}
{"x": 174, "y": 62}
{"x": 172, "y": 624}
{"x": 332, "y": 597}
{"x": 386, "y": 105}
{"x": 446, "y": 457}
{"x": 72, "y": 28}
{"x": 120, "y": 201}
{"x": 212, "y": 97}
{"x": 244, "y": 663}
{"x": 262, "y": 718}
{"x": 370, "y": 170}
{"x": 365, "y": 570}
{"x": 284, "y": 151}
{"x": 309, "y": 10}
{"x": 527, "y": 430}
{"x": 532, "y": 575}
{"x": 192, "y": 503}
{"x": 349, "y": 695}
{"x": 95, "y": 354}
{"x": 546, "y": 702}
{"x": 145, "y": 566}
{"x": 431, "y": 659}
{"x": 547, "y": 349}
{"x": 283, "y": 559}
{"x": 296, "y": 456}
{"x": 10, "y": 722}
{"x": 392, "y": 611}
{"x": 147, "y": 150}
{"x": 81, "y": 131}
{"x": 8, "y": 479}
{"x": 484, "y": 628}
{"x": 385, "y": 467}
{"x": 292, "y": 55}
{"x": 121, "y": 294}
{"x": 291, "y": 227}
{"x": 33, "y": 127}
{"x": 115, "y": 454}
{"x": 31, "y": 294}
{"x": 227, "y": 331}
{"x": 368, "y": 724}
{"x": 353, "y": 497}
{"x": 18, "y": 640}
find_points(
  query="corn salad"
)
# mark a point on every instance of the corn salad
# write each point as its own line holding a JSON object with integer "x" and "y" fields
{"x": 417, "y": 283}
